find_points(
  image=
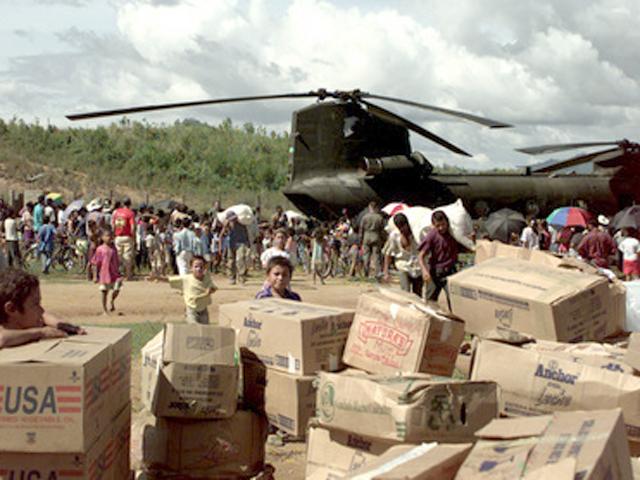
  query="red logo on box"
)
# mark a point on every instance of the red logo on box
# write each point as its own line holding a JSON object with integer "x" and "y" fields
{"x": 387, "y": 334}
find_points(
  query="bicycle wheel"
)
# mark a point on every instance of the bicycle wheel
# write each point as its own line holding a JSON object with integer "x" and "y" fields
{"x": 30, "y": 257}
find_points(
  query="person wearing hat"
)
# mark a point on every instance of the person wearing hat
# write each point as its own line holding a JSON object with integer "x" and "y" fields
{"x": 597, "y": 247}
{"x": 124, "y": 229}
{"x": 238, "y": 247}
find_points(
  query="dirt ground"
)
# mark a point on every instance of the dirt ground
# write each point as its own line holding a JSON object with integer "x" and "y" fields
{"x": 141, "y": 301}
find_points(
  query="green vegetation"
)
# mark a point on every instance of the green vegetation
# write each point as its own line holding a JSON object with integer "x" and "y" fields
{"x": 188, "y": 160}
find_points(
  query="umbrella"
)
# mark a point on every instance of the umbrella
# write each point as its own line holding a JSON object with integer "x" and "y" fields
{"x": 627, "y": 218}
{"x": 502, "y": 223}
{"x": 569, "y": 217}
{"x": 394, "y": 207}
{"x": 73, "y": 206}
{"x": 55, "y": 196}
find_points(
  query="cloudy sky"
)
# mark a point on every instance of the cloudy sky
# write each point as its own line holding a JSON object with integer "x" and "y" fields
{"x": 560, "y": 70}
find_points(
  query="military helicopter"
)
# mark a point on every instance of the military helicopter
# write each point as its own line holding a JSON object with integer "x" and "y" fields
{"x": 347, "y": 151}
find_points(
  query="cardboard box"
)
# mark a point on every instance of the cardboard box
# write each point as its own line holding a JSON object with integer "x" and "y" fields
{"x": 412, "y": 408}
{"x": 601, "y": 355}
{"x": 293, "y": 337}
{"x": 120, "y": 447}
{"x": 289, "y": 401}
{"x": 545, "y": 302}
{"x": 119, "y": 342}
{"x": 54, "y": 396}
{"x": 429, "y": 461}
{"x": 228, "y": 448}
{"x": 332, "y": 454}
{"x": 538, "y": 383}
{"x": 616, "y": 305}
{"x": 190, "y": 371}
{"x": 487, "y": 249}
{"x": 397, "y": 332}
{"x": 572, "y": 445}
{"x": 106, "y": 459}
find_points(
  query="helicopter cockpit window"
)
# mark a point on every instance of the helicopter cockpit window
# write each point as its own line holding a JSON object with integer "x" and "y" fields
{"x": 349, "y": 124}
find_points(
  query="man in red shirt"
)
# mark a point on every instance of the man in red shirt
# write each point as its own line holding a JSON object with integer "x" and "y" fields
{"x": 124, "y": 229}
{"x": 597, "y": 247}
{"x": 442, "y": 250}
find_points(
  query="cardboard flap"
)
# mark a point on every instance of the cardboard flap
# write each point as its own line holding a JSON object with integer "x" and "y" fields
{"x": 565, "y": 469}
{"x": 101, "y": 335}
{"x": 27, "y": 353}
{"x": 289, "y": 308}
{"x": 524, "y": 279}
{"x": 411, "y": 300}
{"x": 199, "y": 344}
{"x": 632, "y": 355}
{"x": 512, "y": 428}
{"x": 72, "y": 353}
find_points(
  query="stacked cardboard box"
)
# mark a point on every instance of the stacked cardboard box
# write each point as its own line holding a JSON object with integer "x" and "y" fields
{"x": 283, "y": 344}
{"x": 392, "y": 403}
{"x": 509, "y": 287}
{"x": 511, "y": 295}
{"x": 65, "y": 409}
{"x": 189, "y": 386}
{"x": 544, "y": 380}
{"x": 570, "y": 445}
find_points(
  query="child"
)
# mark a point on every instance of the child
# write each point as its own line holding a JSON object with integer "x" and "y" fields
{"x": 277, "y": 283}
{"x": 46, "y": 239}
{"x": 155, "y": 251}
{"x": 22, "y": 318}
{"x": 318, "y": 248}
{"x": 197, "y": 288}
{"x": 107, "y": 270}
{"x": 629, "y": 246}
{"x": 277, "y": 249}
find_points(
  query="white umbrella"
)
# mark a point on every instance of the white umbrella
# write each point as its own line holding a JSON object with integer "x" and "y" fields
{"x": 72, "y": 207}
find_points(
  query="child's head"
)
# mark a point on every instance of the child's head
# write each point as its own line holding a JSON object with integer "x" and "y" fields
{"x": 20, "y": 300}
{"x": 279, "y": 238}
{"x": 106, "y": 236}
{"x": 279, "y": 273}
{"x": 198, "y": 266}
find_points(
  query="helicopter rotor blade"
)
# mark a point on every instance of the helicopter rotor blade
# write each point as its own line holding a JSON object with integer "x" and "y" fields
{"x": 398, "y": 120}
{"x": 164, "y": 106}
{"x": 487, "y": 122}
{"x": 542, "y": 149}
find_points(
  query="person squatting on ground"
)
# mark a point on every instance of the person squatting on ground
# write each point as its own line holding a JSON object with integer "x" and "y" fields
{"x": 442, "y": 251}
{"x": 402, "y": 246}
{"x": 22, "y": 318}
{"x": 107, "y": 264}
{"x": 197, "y": 288}
{"x": 278, "y": 280}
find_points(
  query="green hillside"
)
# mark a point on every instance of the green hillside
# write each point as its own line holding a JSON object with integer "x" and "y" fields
{"x": 187, "y": 160}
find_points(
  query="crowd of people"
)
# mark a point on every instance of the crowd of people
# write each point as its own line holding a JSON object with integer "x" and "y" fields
{"x": 113, "y": 241}
{"x": 598, "y": 243}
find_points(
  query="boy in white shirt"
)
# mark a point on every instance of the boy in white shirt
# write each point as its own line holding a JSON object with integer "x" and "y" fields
{"x": 629, "y": 246}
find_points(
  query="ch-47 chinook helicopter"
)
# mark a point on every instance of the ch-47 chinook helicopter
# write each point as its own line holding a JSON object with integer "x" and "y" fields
{"x": 347, "y": 151}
